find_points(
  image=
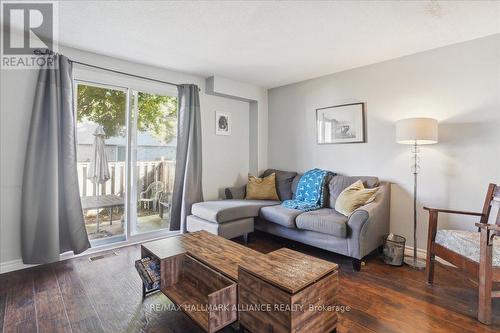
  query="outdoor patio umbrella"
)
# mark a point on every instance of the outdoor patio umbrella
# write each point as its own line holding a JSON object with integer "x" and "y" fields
{"x": 98, "y": 169}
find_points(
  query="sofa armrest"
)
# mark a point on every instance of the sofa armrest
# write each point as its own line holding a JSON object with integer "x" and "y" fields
{"x": 236, "y": 192}
{"x": 368, "y": 224}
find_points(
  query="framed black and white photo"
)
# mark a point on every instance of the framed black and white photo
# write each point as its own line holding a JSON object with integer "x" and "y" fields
{"x": 222, "y": 123}
{"x": 341, "y": 124}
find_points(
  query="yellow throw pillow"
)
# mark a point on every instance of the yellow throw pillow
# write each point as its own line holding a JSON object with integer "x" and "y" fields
{"x": 262, "y": 188}
{"x": 353, "y": 197}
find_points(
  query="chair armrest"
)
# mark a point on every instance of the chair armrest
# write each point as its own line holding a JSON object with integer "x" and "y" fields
{"x": 165, "y": 197}
{"x": 433, "y": 221}
{"x": 488, "y": 226}
{"x": 236, "y": 192}
{"x": 368, "y": 224}
{"x": 158, "y": 195}
{"x": 488, "y": 232}
{"x": 449, "y": 211}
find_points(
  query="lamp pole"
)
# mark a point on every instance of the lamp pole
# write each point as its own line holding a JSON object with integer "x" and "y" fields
{"x": 415, "y": 262}
{"x": 416, "y": 132}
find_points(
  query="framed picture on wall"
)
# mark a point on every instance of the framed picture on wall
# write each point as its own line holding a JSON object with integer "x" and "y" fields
{"x": 222, "y": 123}
{"x": 341, "y": 124}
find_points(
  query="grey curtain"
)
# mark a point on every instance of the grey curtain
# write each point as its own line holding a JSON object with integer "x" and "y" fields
{"x": 188, "y": 165}
{"x": 51, "y": 215}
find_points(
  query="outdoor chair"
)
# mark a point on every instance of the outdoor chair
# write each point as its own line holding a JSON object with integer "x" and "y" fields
{"x": 152, "y": 194}
{"x": 165, "y": 201}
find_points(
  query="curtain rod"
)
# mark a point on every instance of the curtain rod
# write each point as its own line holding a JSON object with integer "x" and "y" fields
{"x": 123, "y": 73}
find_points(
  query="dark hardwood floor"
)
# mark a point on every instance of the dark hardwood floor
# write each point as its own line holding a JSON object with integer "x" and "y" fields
{"x": 78, "y": 295}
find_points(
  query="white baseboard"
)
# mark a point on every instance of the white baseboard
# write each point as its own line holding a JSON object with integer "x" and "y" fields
{"x": 12, "y": 265}
{"x": 17, "y": 264}
{"x": 422, "y": 254}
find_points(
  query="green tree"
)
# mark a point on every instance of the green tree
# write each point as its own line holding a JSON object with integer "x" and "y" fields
{"x": 157, "y": 114}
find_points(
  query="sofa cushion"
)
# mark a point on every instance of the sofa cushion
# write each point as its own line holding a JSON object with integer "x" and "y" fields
{"x": 221, "y": 211}
{"x": 263, "y": 188}
{"x": 295, "y": 183}
{"x": 235, "y": 192}
{"x": 324, "y": 220}
{"x": 353, "y": 197}
{"x": 227, "y": 230}
{"x": 466, "y": 243}
{"x": 280, "y": 215}
{"x": 338, "y": 183}
{"x": 283, "y": 182}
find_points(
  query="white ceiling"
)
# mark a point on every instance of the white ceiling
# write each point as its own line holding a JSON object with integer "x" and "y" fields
{"x": 271, "y": 43}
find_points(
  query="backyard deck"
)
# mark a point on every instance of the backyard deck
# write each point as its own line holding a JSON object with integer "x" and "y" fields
{"x": 145, "y": 223}
{"x": 108, "y": 200}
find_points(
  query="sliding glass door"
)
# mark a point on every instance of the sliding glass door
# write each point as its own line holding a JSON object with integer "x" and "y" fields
{"x": 126, "y": 145}
{"x": 153, "y": 159}
{"x": 101, "y": 159}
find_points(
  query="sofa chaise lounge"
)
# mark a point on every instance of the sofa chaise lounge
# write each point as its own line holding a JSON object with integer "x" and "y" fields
{"x": 354, "y": 236}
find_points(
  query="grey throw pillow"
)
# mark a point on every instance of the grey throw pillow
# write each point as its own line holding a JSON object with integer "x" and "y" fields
{"x": 295, "y": 183}
{"x": 284, "y": 181}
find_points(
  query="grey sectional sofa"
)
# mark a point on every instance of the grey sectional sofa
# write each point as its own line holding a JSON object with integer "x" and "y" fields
{"x": 355, "y": 236}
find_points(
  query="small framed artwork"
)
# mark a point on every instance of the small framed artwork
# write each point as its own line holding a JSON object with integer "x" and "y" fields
{"x": 341, "y": 124}
{"x": 222, "y": 123}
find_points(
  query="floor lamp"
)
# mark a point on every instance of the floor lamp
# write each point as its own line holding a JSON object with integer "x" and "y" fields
{"x": 416, "y": 132}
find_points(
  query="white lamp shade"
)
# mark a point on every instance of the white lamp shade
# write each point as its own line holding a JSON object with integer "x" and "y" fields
{"x": 420, "y": 131}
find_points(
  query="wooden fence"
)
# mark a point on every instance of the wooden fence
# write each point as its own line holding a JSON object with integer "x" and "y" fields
{"x": 146, "y": 171}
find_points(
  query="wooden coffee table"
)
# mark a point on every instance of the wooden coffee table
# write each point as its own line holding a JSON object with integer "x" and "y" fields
{"x": 208, "y": 271}
{"x": 300, "y": 292}
{"x": 199, "y": 272}
{"x": 218, "y": 253}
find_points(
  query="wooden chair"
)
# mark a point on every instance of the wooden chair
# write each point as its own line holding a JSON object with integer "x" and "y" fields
{"x": 479, "y": 268}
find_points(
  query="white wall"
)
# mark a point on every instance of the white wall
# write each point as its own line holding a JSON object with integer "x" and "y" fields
{"x": 257, "y": 99}
{"x": 225, "y": 158}
{"x": 459, "y": 85}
